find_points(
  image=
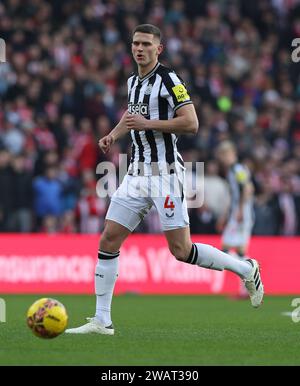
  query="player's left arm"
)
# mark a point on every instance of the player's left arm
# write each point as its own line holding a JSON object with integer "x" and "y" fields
{"x": 185, "y": 122}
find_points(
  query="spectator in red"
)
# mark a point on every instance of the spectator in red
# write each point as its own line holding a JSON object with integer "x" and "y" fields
{"x": 90, "y": 209}
{"x": 85, "y": 149}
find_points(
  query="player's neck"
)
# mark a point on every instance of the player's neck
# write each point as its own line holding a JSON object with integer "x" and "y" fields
{"x": 144, "y": 70}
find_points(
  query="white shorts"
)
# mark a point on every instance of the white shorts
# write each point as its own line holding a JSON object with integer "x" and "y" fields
{"x": 137, "y": 194}
{"x": 236, "y": 234}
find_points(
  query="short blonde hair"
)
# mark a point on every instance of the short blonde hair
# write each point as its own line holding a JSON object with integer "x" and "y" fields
{"x": 225, "y": 146}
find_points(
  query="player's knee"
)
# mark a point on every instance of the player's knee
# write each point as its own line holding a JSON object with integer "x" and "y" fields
{"x": 179, "y": 251}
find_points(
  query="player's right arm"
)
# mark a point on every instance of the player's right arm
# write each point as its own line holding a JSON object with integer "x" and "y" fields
{"x": 119, "y": 131}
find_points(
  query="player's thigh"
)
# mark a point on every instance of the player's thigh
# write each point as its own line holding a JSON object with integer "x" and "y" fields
{"x": 173, "y": 214}
{"x": 126, "y": 210}
{"x": 170, "y": 202}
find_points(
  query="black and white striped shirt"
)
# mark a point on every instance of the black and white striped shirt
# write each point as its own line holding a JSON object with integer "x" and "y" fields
{"x": 238, "y": 176}
{"x": 155, "y": 96}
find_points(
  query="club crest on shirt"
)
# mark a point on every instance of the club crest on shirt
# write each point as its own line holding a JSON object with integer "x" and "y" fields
{"x": 148, "y": 89}
{"x": 138, "y": 108}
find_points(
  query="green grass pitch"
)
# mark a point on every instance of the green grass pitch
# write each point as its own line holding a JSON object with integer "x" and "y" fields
{"x": 159, "y": 330}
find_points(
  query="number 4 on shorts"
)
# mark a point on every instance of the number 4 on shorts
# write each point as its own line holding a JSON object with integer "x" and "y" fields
{"x": 168, "y": 203}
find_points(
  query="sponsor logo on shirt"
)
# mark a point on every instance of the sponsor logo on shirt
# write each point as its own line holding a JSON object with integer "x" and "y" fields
{"x": 181, "y": 93}
{"x": 138, "y": 108}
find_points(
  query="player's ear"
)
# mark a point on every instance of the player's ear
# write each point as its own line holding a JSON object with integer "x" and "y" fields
{"x": 160, "y": 49}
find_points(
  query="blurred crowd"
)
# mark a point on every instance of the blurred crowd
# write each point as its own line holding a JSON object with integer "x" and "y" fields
{"x": 64, "y": 86}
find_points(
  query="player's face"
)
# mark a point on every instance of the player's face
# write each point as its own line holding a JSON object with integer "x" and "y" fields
{"x": 145, "y": 48}
{"x": 227, "y": 157}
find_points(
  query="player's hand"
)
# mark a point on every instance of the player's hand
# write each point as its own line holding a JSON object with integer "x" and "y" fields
{"x": 136, "y": 122}
{"x": 106, "y": 142}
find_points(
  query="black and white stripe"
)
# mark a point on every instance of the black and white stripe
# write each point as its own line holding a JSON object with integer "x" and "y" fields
{"x": 193, "y": 257}
{"x": 235, "y": 187}
{"x": 131, "y": 83}
{"x": 102, "y": 255}
{"x": 153, "y": 152}
{"x": 257, "y": 279}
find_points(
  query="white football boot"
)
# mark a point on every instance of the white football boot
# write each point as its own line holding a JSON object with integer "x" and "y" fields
{"x": 93, "y": 326}
{"x": 254, "y": 284}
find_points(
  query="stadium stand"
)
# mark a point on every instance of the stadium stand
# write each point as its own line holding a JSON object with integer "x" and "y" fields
{"x": 64, "y": 86}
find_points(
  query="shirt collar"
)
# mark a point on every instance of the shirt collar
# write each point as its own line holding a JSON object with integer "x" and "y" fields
{"x": 149, "y": 73}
